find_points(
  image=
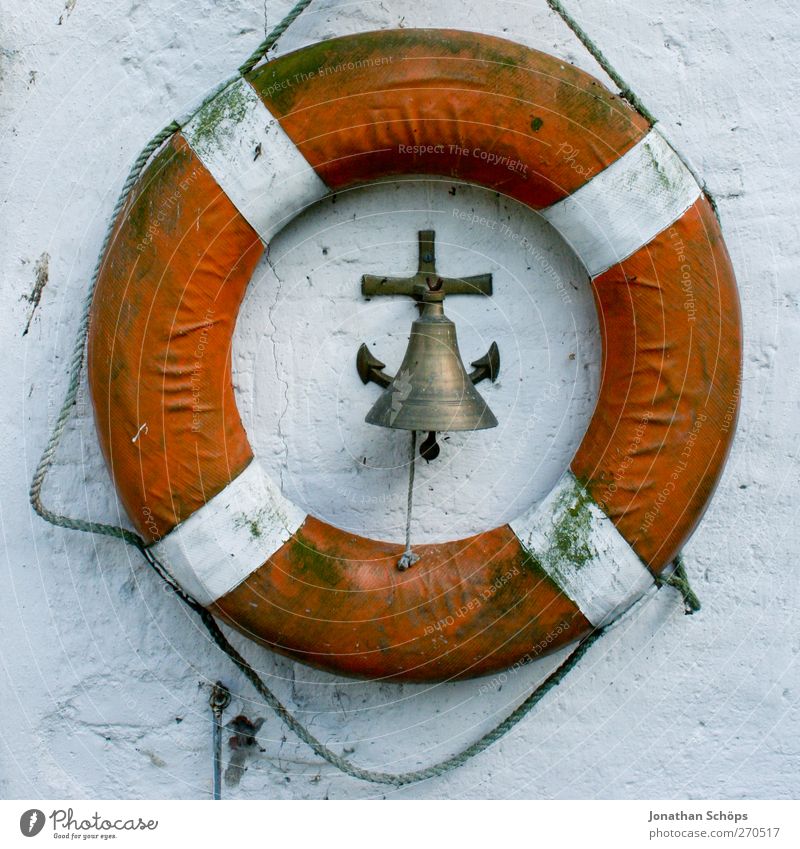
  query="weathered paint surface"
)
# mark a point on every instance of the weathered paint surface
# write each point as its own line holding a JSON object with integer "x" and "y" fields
{"x": 453, "y": 104}
{"x": 577, "y": 545}
{"x": 467, "y": 608}
{"x": 159, "y": 347}
{"x": 666, "y": 414}
{"x": 252, "y": 159}
{"x": 625, "y": 206}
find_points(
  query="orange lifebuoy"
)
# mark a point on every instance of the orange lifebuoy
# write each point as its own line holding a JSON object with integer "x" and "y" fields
{"x": 347, "y": 112}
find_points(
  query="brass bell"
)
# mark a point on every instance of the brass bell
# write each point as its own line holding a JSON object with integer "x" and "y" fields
{"x": 432, "y": 390}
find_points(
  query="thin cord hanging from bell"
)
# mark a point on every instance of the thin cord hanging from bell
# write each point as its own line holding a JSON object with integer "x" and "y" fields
{"x": 408, "y": 558}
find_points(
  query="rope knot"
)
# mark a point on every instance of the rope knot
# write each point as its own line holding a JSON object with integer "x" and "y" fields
{"x": 407, "y": 560}
{"x": 679, "y": 580}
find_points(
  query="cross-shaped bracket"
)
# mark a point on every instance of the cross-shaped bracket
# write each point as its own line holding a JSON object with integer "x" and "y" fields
{"x": 426, "y": 277}
{"x": 370, "y": 368}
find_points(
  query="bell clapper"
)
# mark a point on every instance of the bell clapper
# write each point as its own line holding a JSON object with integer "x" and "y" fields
{"x": 429, "y": 450}
{"x": 408, "y": 558}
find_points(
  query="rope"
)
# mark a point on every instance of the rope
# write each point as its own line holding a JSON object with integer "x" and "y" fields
{"x": 342, "y": 764}
{"x": 402, "y": 778}
{"x": 348, "y": 767}
{"x": 624, "y": 89}
{"x": 678, "y": 579}
{"x": 76, "y": 370}
{"x": 261, "y": 51}
{"x": 408, "y": 558}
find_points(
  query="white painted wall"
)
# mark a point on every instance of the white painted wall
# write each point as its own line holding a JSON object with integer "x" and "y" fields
{"x": 105, "y": 677}
{"x": 303, "y": 403}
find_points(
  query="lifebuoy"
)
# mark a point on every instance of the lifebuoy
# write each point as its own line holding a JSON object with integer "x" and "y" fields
{"x": 347, "y": 112}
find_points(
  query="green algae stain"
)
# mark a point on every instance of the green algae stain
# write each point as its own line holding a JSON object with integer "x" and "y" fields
{"x": 158, "y": 181}
{"x": 531, "y": 563}
{"x": 534, "y": 565}
{"x": 663, "y": 178}
{"x": 571, "y": 535}
{"x": 257, "y": 522}
{"x": 252, "y": 523}
{"x": 219, "y": 118}
{"x": 568, "y": 545}
{"x": 282, "y": 81}
{"x": 324, "y": 568}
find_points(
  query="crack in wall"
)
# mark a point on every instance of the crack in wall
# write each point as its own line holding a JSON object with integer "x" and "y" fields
{"x": 278, "y": 371}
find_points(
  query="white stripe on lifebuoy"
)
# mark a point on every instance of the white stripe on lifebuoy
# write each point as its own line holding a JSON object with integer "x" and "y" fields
{"x": 626, "y": 205}
{"x": 581, "y": 550}
{"x": 230, "y": 536}
{"x": 252, "y": 159}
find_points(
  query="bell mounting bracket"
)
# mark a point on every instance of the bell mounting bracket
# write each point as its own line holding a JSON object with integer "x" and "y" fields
{"x": 427, "y": 279}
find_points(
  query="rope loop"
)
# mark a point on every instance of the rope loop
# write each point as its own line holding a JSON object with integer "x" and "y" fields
{"x": 403, "y": 778}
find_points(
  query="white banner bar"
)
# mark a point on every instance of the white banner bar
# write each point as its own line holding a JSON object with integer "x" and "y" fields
{"x": 617, "y": 824}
